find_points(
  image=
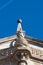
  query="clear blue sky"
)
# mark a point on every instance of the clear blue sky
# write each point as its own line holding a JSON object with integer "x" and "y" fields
{"x": 30, "y": 11}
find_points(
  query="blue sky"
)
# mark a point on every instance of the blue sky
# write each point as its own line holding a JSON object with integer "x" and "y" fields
{"x": 30, "y": 11}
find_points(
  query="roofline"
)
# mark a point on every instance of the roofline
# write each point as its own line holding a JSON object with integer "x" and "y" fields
{"x": 7, "y": 38}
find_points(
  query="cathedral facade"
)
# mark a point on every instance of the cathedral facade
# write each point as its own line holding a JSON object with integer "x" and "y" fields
{"x": 21, "y": 49}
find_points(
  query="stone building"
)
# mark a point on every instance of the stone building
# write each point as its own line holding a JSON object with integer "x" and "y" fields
{"x": 21, "y": 49}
